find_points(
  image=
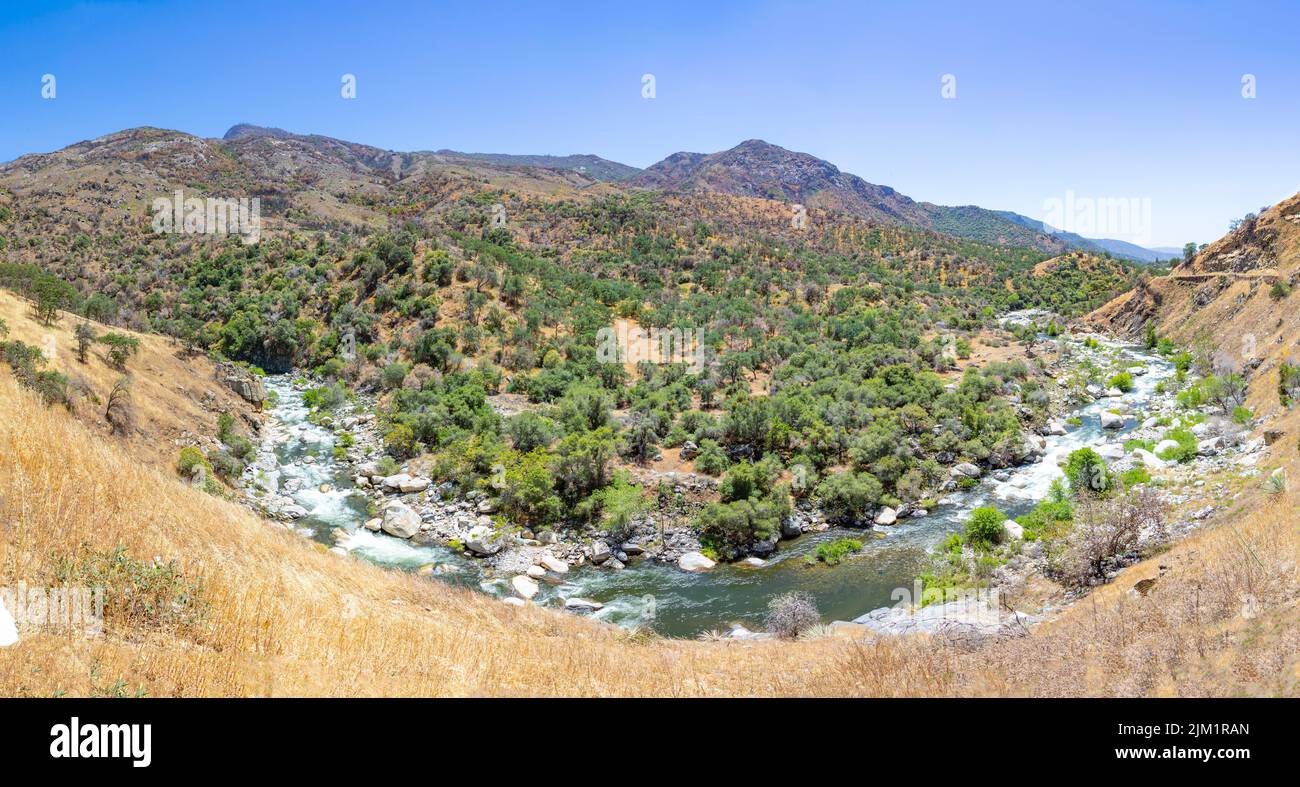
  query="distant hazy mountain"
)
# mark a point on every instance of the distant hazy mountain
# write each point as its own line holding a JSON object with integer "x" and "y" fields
{"x": 755, "y": 168}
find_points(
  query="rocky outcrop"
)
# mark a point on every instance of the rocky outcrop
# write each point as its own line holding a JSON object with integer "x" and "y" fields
{"x": 247, "y": 385}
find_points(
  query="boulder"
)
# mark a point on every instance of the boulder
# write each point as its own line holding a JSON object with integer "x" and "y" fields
{"x": 1209, "y": 446}
{"x": 694, "y": 562}
{"x": 368, "y": 469}
{"x": 790, "y": 528}
{"x": 1166, "y": 445}
{"x": 513, "y": 601}
{"x": 583, "y": 604}
{"x": 394, "y": 482}
{"x": 1150, "y": 460}
{"x": 754, "y": 562}
{"x": 887, "y": 516}
{"x": 374, "y": 525}
{"x": 1111, "y": 420}
{"x": 552, "y": 563}
{"x": 690, "y": 450}
{"x": 1056, "y": 428}
{"x": 400, "y": 520}
{"x": 414, "y": 485}
{"x": 524, "y": 587}
{"x": 482, "y": 541}
{"x": 536, "y": 572}
{"x": 486, "y": 506}
{"x": 633, "y": 549}
{"x": 600, "y": 552}
{"x": 966, "y": 469}
{"x": 1013, "y": 529}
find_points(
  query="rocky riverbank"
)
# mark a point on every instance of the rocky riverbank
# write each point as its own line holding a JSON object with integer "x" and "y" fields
{"x": 1131, "y": 432}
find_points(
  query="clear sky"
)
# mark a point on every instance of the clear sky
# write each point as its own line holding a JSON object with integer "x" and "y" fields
{"x": 1098, "y": 99}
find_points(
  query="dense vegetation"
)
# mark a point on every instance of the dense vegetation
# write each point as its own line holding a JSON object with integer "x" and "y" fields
{"x": 822, "y": 352}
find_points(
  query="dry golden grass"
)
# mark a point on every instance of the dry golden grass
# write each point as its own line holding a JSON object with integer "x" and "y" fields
{"x": 171, "y": 395}
{"x": 285, "y": 618}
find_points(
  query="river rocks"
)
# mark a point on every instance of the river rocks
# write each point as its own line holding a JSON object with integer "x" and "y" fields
{"x": 633, "y": 549}
{"x": 584, "y": 604}
{"x": 1148, "y": 459}
{"x": 753, "y": 562}
{"x": 694, "y": 562}
{"x": 1013, "y": 529}
{"x": 400, "y": 521}
{"x": 1111, "y": 420}
{"x": 552, "y": 563}
{"x": 374, "y": 525}
{"x": 548, "y": 537}
{"x": 1210, "y": 446}
{"x": 524, "y": 587}
{"x": 966, "y": 469}
{"x": 294, "y": 511}
{"x": 973, "y": 617}
{"x": 483, "y": 541}
{"x": 887, "y": 516}
{"x": 513, "y": 601}
{"x": 414, "y": 485}
{"x": 535, "y": 572}
{"x": 1055, "y": 428}
{"x": 1110, "y": 452}
{"x": 325, "y": 488}
{"x": 393, "y": 483}
{"x": 486, "y": 506}
{"x": 1114, "y": 393}
{"x": 1166, "y": 445}
{"x": 790, "y": 528}
{"x": 599, "y": 552}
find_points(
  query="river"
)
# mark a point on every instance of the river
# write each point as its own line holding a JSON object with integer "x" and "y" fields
{"x": 671, "y": 601}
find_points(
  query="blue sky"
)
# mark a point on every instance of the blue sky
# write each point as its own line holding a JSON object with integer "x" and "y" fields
{"x": 1100, "y": 100}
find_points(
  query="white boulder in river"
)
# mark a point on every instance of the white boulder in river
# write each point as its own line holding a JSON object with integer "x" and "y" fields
{"x": 524, "y": 587}
{"x": 400, "y": 520}
{"x": 887, "y": 516}
{"x": 694, "y": 562}
{"x": 1111, "y": 420}
{"x": 967, "y": 469}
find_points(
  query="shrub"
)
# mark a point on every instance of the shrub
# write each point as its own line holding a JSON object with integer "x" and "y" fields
{"x": 711, "y": 459}
{"x": 984, "y": 527}
{"x": 835, "y": 551}
{"x": 1186, "y": 450}
{"x": 1107, "y": 532}
{"x": 790, "y": 614}
{"x": 1087, "y": 472}
{"x": 399, "y": 441}
{"x": 120, "y": 348}
{"x": 847, "y": 497}
{"x": 1123, "y": 381}
{"x": 1279, "y": 290}
{"x": 1242, "y": 415}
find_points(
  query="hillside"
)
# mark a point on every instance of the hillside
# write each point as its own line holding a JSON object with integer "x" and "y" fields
{"x": 252, "y": 610}
{"x": 755, "y": 168}
{"x": 173, "y": 398}
{"x": 1235, "y": 301}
